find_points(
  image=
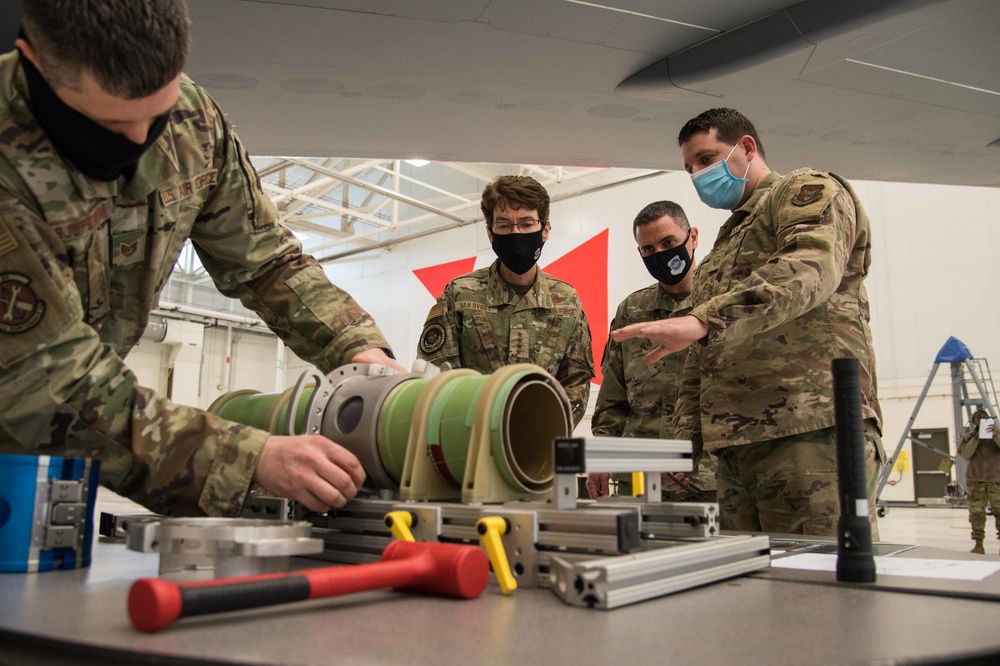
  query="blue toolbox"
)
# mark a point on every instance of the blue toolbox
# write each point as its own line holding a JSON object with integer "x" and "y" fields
{"x": 46, "y": 512}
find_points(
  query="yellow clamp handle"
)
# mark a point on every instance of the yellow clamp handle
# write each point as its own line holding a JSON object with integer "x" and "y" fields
{"x": 638, "y": 484}
{"x": 492, "y": 528}
{"x": 399, "y": 523}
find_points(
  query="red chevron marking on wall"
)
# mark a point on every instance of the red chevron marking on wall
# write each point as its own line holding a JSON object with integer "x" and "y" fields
{"x": 586, "y": 268}
{"x": 436, "y": 278}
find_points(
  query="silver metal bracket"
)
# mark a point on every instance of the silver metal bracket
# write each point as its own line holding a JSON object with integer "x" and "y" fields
{"x": 583, "y": 455}
{"x": 610, "y": 582}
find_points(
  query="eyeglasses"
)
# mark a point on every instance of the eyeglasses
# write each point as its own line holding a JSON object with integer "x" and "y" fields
{"x": 503, "y": 227}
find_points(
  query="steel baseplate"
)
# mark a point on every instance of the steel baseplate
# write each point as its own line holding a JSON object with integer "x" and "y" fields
{"x": 205, "y": 548}
{"x": 611, "y": 582}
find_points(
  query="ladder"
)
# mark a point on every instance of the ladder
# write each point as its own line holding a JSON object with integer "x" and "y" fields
{"x": 967, "y": 372}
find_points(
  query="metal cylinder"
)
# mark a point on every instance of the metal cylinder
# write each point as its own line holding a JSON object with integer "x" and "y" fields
{"x": 266, "y": 411}
{"x": 156, "y": 329}
{"x": 370, "y": 411}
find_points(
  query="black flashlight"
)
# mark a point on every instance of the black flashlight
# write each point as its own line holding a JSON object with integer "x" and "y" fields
{"x": 855, "y": 563}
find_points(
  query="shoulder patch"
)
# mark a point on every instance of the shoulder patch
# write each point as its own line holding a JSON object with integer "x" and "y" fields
{"x": 807, "y": 194}
{"x": 7, "y": 240}
{"x": 20, "y": 308}
{"x": 436, "y": 311}
{"x": 432, "y": 339}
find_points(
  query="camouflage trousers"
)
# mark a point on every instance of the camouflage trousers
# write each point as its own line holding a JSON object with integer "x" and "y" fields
{"x": 977, "y": 494}
{"x": 789, "y": 485}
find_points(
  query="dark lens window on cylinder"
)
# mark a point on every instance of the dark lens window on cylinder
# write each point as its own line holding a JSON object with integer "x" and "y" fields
{"x": 349, "y": 414}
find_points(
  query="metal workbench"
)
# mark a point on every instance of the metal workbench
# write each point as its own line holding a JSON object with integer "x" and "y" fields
{"x": 79, "y": 617}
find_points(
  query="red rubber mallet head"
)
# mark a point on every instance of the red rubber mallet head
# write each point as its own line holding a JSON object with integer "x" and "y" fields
{"x": 427, "y": 568}
{"x": 451, "y": 571}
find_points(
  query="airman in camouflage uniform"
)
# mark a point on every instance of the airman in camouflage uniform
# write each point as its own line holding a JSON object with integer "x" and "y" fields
{"x": 982, "y": 477}
{"x": 636, "y": 400}
{"x": 780, "y": 295}
{"x": 84, "y": 260}
{"x": 512, "y": 312}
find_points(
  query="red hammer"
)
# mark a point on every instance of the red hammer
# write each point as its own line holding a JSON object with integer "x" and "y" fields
{"x": 429, "y": 568}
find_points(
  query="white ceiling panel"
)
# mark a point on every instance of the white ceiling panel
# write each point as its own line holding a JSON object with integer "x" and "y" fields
{"x": 538, "y": 81}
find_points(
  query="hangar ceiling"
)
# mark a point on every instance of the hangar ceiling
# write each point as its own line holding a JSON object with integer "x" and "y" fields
{"x": 899, "y": 90}
{"x": 896, "y": 90}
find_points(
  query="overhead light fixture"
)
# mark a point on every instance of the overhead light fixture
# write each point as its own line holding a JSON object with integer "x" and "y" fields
{"x": 418, "y": 163}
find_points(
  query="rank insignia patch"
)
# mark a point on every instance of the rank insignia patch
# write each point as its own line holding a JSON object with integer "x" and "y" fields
{"x": 807, "y": 195}
{"x": 432, "y": 339}
{"x": 20, "y": 309}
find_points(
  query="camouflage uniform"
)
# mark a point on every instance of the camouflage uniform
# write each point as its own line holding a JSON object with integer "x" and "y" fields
{"x": 82, "y": 264}
{"x": 982, "y": 479}
{"x": 636, "y": 400}
{"x": 782, "y": 294}
{"x": 479, "y": 322}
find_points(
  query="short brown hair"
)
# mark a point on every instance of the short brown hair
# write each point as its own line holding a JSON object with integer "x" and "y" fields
{"x": 658, "y": 209}
{"x": 515, "y": 193}
{"x": 729, "y": 125}
{"x": 131, "y": 47}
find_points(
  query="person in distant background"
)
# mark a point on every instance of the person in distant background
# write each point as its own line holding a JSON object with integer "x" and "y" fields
{"x": 513, "y": 312}
{"x": 636, "y": 400}
{"x": 982, "y": 476}
{"x": 110, "y": 159}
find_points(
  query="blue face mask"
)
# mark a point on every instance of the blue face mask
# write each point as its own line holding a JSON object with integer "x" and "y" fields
{"x": 717, "y": 187}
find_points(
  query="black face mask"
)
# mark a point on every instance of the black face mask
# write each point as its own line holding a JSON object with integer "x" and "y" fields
{"x": 518, "y": 252}
{"x": 96, "y": 151}
{"x": 670, "y": 266}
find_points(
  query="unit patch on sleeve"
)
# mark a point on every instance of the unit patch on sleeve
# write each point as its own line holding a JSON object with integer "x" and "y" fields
{"x": 807, "y": 194}
{"x": 432, "y": 339}
{"x": 20, "y": 309}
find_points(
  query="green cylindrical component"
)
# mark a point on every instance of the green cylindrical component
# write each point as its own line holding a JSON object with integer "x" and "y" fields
{"x": 246, "y": 406}
{"x": 394, "y": 426}
{"x": 521, "y": 409}
{"x": 266, "y": 411}
{"x": 279, "y": 422}
{"x": 449, "y": 426}
{"x": 524, "y": 420}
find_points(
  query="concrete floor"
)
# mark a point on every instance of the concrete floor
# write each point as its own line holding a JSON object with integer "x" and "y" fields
{"x": 937, "y": 527}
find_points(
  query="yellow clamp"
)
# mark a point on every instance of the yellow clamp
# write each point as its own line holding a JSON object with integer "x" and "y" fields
{"x": 492, "y": 528}
{"x": 638, "y": 484}
{"x": 399, "y": 523}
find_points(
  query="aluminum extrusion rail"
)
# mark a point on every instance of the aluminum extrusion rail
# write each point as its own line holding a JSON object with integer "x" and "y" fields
{"x": 611, "y": 582}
